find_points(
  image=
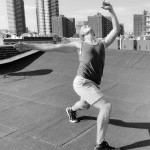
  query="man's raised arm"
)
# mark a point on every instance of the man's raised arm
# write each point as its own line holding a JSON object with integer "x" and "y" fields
{"x": 116, "y": 26}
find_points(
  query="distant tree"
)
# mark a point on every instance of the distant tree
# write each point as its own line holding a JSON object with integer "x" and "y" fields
{"x": 56, "y": 38}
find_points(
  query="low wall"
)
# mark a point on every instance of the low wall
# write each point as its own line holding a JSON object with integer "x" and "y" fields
{"x": 127, "y": 45}
{"x": 114, "y": 45}
{"x": 143, "y": 45}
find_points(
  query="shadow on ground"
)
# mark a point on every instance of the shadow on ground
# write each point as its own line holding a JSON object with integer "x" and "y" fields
{"x": 31, "y": 73}
{"x": 121, "y": 123}
{"x": 19, "y": 64}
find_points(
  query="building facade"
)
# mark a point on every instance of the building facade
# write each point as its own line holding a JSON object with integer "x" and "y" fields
{"x": 146, "y": 15}
{"x": 106, "y": 25}
{"x": 138, "y": 25}
{"x": 100, "y": 24}
{"x": 16, "y": 16}
{"x": 59, "y": 26}
{"x": 71, "y": 30}
{"x": 45, "y": 10}
{"x": 63, "y": 27}
{"x": 142, "y": 24}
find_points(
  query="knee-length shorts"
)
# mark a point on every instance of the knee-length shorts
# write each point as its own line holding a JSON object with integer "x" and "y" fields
{"x": 87, "y": 90}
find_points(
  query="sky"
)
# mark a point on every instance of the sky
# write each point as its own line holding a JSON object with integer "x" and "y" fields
{"x": 81, "y": 9}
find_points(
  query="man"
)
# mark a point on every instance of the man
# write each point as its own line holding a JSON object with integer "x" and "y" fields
{"x": 91, "y": 56}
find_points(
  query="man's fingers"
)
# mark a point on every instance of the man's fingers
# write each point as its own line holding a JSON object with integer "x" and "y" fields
{"x": 106, "y": 3}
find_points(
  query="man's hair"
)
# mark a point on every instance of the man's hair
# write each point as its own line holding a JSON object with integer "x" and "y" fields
{"x": 84, "y": 30}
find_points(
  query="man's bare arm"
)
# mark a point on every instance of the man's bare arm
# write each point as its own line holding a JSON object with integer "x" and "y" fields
{"x": 116, "y": 26}
{"x": 66, "y": 48}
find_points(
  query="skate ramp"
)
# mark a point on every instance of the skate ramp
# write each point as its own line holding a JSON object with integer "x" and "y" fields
{"x": 36, "y": 90}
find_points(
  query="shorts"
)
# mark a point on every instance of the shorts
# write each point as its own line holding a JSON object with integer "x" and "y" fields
{"x": 87, "y": 90}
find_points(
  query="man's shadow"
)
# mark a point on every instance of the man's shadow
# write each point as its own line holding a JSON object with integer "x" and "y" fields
{"x": 19, "y": 64}
{"x": 127, "y": 125}
{"x": 31, "y": 73}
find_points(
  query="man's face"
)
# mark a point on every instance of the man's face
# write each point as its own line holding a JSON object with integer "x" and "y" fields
{"x": 90, "y": 31}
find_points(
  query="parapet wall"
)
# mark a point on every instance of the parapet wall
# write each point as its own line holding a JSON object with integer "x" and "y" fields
{"x": 127, "y": 45}
{"x": 1, "y": 41}
{"x": 143, "y": 45}
{"x": 115, "y": 45}
{"x": 121, "y": 44}
{"x": 140, "y": 45}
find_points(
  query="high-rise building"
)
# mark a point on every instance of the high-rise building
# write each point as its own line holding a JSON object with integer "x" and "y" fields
{"x": 138, "y": 24}
{"x": 107, "y": 25}
{"x": 46, "y": 9}
{"x": 100, "y": 24}
{"x": 59, "y": 26}
{"x": 63, "y": 26}
{"x": 146, "y": 22}
{"x": 71, "y": 27}
{"x": 16, "y": 16}
{"x": 142, "y": 24}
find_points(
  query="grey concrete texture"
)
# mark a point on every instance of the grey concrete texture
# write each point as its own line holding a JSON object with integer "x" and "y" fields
{"x": 35, "y": 91}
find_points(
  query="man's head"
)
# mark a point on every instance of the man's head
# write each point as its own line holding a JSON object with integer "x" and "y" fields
{"x": 86, "y": 30}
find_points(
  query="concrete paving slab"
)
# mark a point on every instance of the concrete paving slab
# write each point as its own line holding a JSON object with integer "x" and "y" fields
{"x": 61, "y": 133}
{"x": 27, "y": 87}
{"x": 143, "y": 62}
{"x": 35, "y": 93}
{"x": 123, "y": 59}
{"x": 8, "y": 101}
{"x": 125, "y": 91}
{"x": 60, "y": 96}
{"x": 26, "y": 143}
{"x": 5, "y": 131}
{"x": 116, "y": 136}
{"x": 27, "y": 113}
{"x": 136, "y": 77}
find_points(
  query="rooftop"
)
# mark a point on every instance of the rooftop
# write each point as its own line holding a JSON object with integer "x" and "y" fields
{"x": 35, "y": 91}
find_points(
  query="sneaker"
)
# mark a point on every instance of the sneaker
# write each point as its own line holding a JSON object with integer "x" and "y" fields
{"x": 72, "y": 115}
{"x": 104, "y": 146}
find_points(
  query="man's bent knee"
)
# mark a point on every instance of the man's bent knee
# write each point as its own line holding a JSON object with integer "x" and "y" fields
{"x": 86, "y": 105}
{"x": 108, "y": 107}
{"x": 103, "y": 105}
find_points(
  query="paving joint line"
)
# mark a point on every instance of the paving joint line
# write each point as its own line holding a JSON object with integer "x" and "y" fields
{"x": 77, "y": 136}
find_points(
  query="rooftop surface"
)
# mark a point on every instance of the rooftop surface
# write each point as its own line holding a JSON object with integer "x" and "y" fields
{"x": 35, "y": 91}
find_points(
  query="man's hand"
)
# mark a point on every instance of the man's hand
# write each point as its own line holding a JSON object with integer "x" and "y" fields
{"x": 106, "y": 5}
{"x": 21, "y": 47}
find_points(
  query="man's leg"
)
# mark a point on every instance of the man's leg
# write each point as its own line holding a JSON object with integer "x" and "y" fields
{"x": 102, "y": 124}
{"x": 102, "y": 119}
{"x": 71, "y": 111}
{"x": 80, "y": 105}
